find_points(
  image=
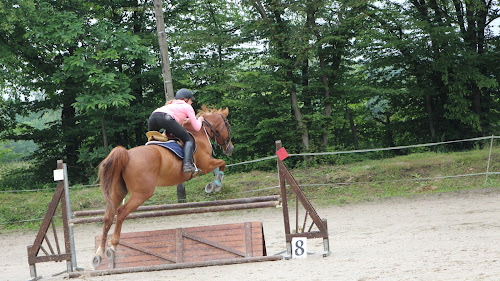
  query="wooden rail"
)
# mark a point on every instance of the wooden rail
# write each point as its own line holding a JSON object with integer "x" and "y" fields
{"x": 185, "y": 208}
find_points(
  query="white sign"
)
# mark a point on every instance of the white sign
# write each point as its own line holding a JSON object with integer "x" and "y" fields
{"x": 299, "y": 248}
{"x": 58, "y": 175}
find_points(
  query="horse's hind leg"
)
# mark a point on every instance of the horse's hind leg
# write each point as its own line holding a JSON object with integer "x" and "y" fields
{"x": 109, "y": 217}
{"x": 134, "y": 201}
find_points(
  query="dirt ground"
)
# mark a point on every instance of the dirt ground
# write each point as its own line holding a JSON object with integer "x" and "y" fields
{"x": 452, "y": 236}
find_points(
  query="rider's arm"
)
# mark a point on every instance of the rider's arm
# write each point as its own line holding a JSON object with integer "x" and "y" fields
{"x": 195, "y": 122}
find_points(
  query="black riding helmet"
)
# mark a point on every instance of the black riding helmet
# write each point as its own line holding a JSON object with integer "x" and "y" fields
{"x": 184, "y": 94}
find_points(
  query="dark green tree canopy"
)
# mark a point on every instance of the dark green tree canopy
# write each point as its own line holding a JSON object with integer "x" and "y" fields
{"x": 319, "y": 75}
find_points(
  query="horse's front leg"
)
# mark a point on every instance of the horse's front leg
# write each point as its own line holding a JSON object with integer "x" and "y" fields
{"x": 219, "y": 175}
{"x": 218, "y": 167}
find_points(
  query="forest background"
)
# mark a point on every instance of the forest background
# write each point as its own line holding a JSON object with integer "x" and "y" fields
{"x": 78, "y": 77}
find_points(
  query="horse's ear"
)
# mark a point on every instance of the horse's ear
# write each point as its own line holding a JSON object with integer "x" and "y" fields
{"x": 225, "y": 111}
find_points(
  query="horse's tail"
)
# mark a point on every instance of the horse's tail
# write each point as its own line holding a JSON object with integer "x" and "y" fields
{"x": 110, "y": 173}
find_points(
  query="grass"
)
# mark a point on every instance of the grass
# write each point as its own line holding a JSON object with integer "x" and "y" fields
{"x": 402, "y": 176}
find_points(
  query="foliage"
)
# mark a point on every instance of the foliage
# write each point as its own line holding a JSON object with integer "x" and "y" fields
{"x": 318, "y": 75}
{"x": 4, "y": 152}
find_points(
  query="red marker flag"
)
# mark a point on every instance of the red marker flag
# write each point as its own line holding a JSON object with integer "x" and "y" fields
{"x": 282, "y": 154}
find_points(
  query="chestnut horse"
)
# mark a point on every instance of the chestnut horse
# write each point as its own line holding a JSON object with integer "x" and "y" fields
{"x": 139, "y": 170}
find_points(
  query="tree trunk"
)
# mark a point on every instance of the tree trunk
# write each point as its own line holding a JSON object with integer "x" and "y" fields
{"x": 354, "y": 131}
{"x": 162, "y": 42}
{"x": 104, "y": 135}
{"x": 388, "y": 132}
{"x": 428, "y": 108}
{"x": 68, "y": 121}
{"x": 298, "y": 116}
{"x": 328, "y": 105}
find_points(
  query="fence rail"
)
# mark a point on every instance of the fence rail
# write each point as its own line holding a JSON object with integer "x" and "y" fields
{"x": 485, "y": 174}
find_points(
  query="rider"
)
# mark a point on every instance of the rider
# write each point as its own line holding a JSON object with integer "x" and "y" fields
{"x": 170, "y": 116}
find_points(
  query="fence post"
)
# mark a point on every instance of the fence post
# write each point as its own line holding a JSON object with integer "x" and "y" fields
{"x": 489, "y": 159}
{"x": 69, "y": 214}
{"x": 181, "y": 193}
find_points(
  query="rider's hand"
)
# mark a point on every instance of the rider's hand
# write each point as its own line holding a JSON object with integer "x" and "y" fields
{"x": 201, "y": 118}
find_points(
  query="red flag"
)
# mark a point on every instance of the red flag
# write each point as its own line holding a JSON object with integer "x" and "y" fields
{"x": 282, "y": 154}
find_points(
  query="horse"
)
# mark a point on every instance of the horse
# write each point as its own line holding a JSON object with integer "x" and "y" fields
{"x": 139, "y": 170}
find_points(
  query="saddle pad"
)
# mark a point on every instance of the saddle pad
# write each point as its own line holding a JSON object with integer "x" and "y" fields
{"x": 173, "y": 146}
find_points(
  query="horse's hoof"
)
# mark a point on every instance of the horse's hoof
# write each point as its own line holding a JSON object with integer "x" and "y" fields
{"x": 218, "y": 186}
{"x": 209, "y": 188}
{"x": 110, "y": 253}
{"x": 96, "y": 261}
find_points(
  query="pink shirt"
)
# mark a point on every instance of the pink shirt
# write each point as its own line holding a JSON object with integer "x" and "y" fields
{"x": 180, "y": 110}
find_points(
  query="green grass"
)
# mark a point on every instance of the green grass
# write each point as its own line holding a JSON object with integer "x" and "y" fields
{"x": 401, "y": 176}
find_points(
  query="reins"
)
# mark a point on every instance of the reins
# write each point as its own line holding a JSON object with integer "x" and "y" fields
{"x": 215, "y": 135}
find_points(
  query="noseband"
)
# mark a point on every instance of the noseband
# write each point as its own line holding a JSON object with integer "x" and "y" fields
{"x": 215, "y": 135}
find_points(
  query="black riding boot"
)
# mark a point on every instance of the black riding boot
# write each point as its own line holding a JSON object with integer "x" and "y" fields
{"x": 187, "y": 165}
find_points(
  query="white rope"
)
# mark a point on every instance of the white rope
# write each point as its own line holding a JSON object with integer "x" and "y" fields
{"x": 301, "y": 154}
{"x": 325, "y": 184}
{"x": 23, "y": 221}
{"x": 252, "y": 161}
{"x": 389, "y": 148}
{"x": 366, "y": 150}
{"x": 46, "y": 189}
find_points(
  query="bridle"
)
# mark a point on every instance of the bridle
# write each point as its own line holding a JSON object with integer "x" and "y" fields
{"x": 216, "y": 136}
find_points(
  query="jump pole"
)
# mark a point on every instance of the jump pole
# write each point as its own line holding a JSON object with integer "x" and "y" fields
{"x": 185, "y": 208}
{"x": 172, "y": 266}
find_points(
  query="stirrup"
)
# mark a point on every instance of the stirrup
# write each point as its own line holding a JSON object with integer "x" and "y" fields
{"x": 188, "y": 168}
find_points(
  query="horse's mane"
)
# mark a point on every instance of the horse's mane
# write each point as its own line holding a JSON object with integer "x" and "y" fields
{"x": 208, "y": 110}
{"x": 204, "y": 110}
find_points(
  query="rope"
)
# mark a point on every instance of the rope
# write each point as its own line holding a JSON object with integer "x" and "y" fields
{"x": 309, "y": 185}
{"x": 47, "y": 189}
{"x": 321, "y": 184}
{"x": 366, "y": 150}
{"x": 300, "y": 154}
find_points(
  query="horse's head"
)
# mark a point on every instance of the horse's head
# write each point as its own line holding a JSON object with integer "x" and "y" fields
{"x": 218, "y": 128}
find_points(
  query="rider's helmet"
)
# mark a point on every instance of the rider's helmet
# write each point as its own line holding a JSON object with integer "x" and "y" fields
{"x": 184, "y": 94}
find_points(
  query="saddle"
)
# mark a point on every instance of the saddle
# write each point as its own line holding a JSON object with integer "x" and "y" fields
{"x": 172, "y": 143}
{"x": 156, "y": 136}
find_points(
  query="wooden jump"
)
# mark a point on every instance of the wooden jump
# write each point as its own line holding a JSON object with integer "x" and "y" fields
{"x": 185, "y": 208}
{"x": 321, "y": 230}
{"x": 188, "y": 247}
{"x": 37, "y": 253}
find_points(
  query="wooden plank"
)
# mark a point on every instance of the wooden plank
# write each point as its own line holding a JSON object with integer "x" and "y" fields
{"x": 187, "y": 245}
{"x": 172, "y": 266}
{"x": 187, "y": 205}
{"x": 179, "y": 251}
{"x": 176, "y": 212}
{"x": 207, "y": 242}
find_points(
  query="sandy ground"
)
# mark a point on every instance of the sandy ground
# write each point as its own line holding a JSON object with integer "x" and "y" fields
{"x": 454, "y": 236}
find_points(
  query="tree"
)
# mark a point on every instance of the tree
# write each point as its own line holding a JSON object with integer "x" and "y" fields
{"x": 207, "y": 47}
{"x": 428, "y": 48}
{"x": 80, "y": 56}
